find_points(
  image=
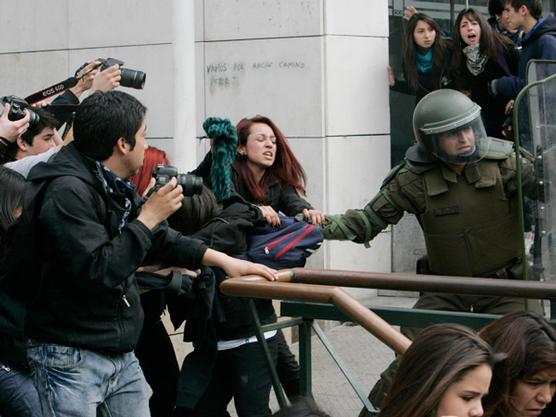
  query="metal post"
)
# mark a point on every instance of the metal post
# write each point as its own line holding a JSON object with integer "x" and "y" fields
{"x": 280, "y": 396}
{"x": 305, "y": 371}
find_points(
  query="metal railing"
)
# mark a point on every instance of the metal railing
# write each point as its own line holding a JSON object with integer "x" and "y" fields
{"x": 314, "y": 294}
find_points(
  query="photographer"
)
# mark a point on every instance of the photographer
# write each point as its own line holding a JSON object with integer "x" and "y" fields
{"x": 37, "y": 144}
{"x": 79, "y": 244}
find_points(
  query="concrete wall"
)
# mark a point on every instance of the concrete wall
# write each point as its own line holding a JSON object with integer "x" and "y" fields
{"x": 316, "y": 67}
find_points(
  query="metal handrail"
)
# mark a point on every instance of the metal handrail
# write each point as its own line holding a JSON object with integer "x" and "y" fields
{"x": 418, "y": 282}
{"x": 258, "y": 287}
{"x": 322, "y": 286}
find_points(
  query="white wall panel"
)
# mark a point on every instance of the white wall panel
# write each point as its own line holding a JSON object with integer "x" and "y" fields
{"x": 356, "y": 169}
{"x": 248, "y": 19}
{"x": 280, "y": 78}
{"x": 33, "y": 25}
{"x": 23, "y": 74}
{"x": 102, "y": 23}
{"x": 356, "y": 86}
{"x": 310, "y": 154}
{"x": 199, "y": 20}
{"x": 370, "y": 18}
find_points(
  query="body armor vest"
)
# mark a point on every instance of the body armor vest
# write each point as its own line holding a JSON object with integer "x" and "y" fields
{"x": 470, "y": 226}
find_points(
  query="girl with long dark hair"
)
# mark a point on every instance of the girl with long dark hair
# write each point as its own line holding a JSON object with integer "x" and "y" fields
{"x": 445, "y": 372}
{"x": 480, "y": 56}
{"x": 426, "y": 57}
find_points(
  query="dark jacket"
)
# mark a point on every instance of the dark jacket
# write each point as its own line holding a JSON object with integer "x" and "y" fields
{"x": 12, "y": 314}
{"x": 433, "y": 80}
{"x": 514, "y": 36}
{"x": 63, "y": 107}
{"x": 538, "y": 43}
{"x": 87, "y": 292}
{"x": 492, "y": 108}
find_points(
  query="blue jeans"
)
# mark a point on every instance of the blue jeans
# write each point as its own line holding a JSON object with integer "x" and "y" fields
{"x": 18, "y": 396}
{"x": 76, "y": 382}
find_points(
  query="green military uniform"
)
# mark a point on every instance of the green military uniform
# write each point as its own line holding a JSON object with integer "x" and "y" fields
{"x": 469, "y": 220}
{"x": 466, "y": 205}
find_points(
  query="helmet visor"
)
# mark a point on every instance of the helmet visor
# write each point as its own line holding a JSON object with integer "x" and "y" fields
{"x": 468, "y": 143}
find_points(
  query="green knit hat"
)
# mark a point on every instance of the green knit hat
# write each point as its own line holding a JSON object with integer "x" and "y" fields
{"x": 224, "y": 151}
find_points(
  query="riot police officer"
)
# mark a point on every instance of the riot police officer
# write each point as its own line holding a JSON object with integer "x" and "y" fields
{"x": 462, "y": 187}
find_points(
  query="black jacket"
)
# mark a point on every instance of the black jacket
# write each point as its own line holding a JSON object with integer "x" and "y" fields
{"x": 12, "y": 314}
{"x": 63, "y": 107}
{"x": 538, "y": 43}
{"x": 492, "y": 108}
{"x": 87, "y": 294}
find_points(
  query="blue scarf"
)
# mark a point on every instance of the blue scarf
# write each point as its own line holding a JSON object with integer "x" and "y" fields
{"x": 423, "y": 61}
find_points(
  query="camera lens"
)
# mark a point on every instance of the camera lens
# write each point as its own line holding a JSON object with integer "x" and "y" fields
{"x": 133, "y": 78}
{"x": 191, "y": 184}
{"x": 18, "y": 113}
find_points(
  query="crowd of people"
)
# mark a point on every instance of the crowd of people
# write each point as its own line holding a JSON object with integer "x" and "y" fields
{"x": 485, "y": 59}
{"x": 94, "y": 249}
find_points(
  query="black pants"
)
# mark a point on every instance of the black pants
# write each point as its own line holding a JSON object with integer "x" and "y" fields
{"x": 160, "y": 366}
{"x": 287, "y": 367}
{"x": 241, "y": 373}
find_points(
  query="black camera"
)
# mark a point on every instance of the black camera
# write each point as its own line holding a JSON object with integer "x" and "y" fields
{"x": 191, "y": 184}
{"x": 130, "y": 78}
{"x": 17, "y": 109}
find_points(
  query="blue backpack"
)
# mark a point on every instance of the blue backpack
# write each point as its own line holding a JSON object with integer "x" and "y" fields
{"x": 285, "y": 246}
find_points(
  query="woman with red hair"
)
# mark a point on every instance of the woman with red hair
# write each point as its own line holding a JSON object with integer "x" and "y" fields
{"x": 153, "y": 157}
{"x": 268, "y": 174}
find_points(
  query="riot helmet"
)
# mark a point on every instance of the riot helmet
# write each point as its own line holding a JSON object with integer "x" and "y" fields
{"x": 448, "y": 126}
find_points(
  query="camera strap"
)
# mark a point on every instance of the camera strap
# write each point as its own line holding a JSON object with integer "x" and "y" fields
{"x": 52, "y": 90}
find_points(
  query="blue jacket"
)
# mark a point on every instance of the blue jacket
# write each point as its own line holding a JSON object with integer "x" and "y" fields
{"x": 538, "y": 43}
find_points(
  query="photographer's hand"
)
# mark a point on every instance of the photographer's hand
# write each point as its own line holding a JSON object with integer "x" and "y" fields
{"x": 161, "y": 204}
{"x": 108, "y": 79}
{"x": 11, "y": 130}
{"x": 86, "y": 81}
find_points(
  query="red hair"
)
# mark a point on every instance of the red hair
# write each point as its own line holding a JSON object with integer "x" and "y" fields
{"x": 153, "y": 157}
{"x": 286, "y": 167}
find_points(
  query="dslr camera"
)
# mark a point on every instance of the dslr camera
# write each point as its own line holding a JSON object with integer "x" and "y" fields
{"x": 191, "y": 184}
{"x": 130, "y": 78}
{"x": 17, "y": 109}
